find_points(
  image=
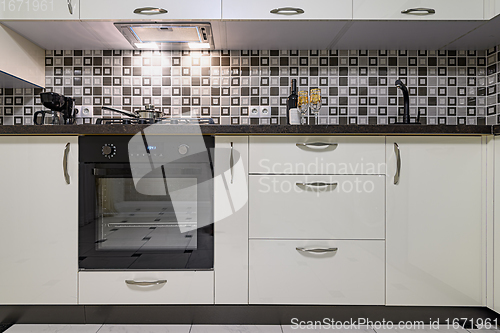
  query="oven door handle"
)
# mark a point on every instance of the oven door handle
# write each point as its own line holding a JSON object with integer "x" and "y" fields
{"x": 110, "y": 172}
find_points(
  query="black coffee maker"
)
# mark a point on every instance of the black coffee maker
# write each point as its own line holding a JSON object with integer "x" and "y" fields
{"x": 62, "y": 109}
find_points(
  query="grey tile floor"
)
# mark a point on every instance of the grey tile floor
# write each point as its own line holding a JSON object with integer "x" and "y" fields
{"x": 31, "y": 328}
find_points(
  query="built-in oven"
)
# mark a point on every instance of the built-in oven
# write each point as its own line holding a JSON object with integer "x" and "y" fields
{"x": 146, "y": 202}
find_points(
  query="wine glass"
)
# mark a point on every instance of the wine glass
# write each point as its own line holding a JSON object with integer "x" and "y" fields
{"x": 303, "y": 104}
{"x": 315, "y": 103}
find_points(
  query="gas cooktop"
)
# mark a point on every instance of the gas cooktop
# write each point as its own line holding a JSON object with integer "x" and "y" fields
{"x": 162, "y": 121}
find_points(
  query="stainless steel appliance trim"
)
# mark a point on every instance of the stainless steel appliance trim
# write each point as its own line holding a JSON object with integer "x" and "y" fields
{"x": 145, "y": 283}
{"x": 419, "y": 11}
{"x": 287, "y": 11}
{"x": 317, "y": 249}
{"x": 65, "y": 163}
{"x": 150, "y": 11}
{"x": 398, "y": 163}
{"x": 316, "y": 184}
{"x": 317, "y": 145}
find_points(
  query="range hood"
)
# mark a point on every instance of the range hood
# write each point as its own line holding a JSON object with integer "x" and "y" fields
{"x": 167, "y": 35}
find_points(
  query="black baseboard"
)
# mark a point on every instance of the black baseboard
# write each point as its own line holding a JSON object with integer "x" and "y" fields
{"x": 235, "y": 314}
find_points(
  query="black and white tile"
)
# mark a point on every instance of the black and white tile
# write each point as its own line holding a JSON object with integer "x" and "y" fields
{"x": 357, "y": 86}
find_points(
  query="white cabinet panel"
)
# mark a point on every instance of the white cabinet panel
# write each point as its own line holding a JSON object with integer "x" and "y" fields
{"x": 286, "y": 9}
{"x": 282, "y": 207}
{"x": 176, "y": 10}
{"x": 231, "y": 220}
{"x": 496, "y": 229}
{"x": 281, "y": 274}
{"x": 40, "y": 10}
{"x": 39, "y": 220}
{"x": 181, "y": 287}
{"x": 391, "y": 9}
{"x": 434, "y": 222}
{"x": 317, "y": 155}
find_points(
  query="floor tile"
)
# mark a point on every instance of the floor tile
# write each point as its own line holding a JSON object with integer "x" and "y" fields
{"x": 236, "y": 329}
{"x": 145, "y": 329}
{"x": 324, "y": 328}
{"x": 32, "y": 328}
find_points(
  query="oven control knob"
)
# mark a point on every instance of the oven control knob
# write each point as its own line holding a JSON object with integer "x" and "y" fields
{"x": 183, "y": 149}
{"x": 109, "y": 150}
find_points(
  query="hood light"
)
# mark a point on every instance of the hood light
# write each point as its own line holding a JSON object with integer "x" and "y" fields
{"x": 199, "y": 45}
{"x": 146, "y": 45}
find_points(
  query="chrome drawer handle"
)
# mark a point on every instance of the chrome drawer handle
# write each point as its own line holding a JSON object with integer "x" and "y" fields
{"x": 70, "y": 7}
{"x": 419, "y": 11}
{"x": 65, "y": 163}
{"x": 316, "y": 184}
{"x": 317, "y": 249}
{"x": 150, "y": 11}
{"x": 398, "y": 163}
{"x": 317, "y": 145}
{"x": 145, "y": 283}
{"x": 231, "y": 162}
{"x": 287, "y": 11}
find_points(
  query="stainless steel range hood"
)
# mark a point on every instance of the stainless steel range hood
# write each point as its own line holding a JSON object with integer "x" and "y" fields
{"x": 167, "y": 35}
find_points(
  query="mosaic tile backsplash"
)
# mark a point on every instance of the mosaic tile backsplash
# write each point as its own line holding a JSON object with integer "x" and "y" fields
{"x": 357, "y": 86}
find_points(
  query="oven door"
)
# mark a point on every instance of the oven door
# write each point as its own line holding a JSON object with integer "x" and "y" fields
{"x": 162, "y": 221}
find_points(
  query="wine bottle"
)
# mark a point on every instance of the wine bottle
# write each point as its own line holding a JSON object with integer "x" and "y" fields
{"x": 291, "y": 103}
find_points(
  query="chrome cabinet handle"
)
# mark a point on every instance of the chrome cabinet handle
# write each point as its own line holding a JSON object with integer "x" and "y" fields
{"x": 317, "y": 145}
{"x": 70, "y": 7}
{"x": 150, "y": 11}
{"x": 231, "y": 162}
{"x": 145, "y": 283}
{"x": 317, "y": 249}
{"x": 419, "y": 11}
{"x": 65, "y": 163}
{"x": 316, "y": 184}
{"x": 287, "y": 11}
{"x": 398, "y": 163}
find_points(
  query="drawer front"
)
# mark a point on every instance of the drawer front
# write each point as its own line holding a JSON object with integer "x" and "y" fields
{"x": 124, "y": 10}
{"x": 181, "y": 287}
{"x": 444, "y": 10}
{"x": 302, "y": 10}
{"x": 341, "y": 207}
{"x": 317, "y": 155}
{"x": 281, "y": 274}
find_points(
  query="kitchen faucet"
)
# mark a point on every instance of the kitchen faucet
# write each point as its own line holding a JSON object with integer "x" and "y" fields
{"x": 406, "y": 114}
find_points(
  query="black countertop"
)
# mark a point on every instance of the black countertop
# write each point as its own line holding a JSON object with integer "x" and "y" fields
{"x": 251, "y": 129}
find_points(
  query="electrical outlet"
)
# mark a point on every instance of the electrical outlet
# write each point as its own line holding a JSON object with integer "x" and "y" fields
{"x": 84, "y": 111}
{"x": 260, "y": 112}
{"x": 254, "y": 112}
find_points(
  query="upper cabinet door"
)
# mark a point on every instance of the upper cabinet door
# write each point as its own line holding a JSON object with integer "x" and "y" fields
{"x": 151, "y": 10}
{"x": 40, "y": 10}
{"x": 287, "y": 10}
{"x": 417, "y": 10}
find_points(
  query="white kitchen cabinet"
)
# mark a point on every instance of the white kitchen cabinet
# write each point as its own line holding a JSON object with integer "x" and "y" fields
{"x": 39, "y": 221}
{"x": 317, "y": 207}
{"x": 171, "y": 287}
{"x": 287, "y": 10}
{"x": 434, "y": 221}
{"x": 443, "y": 10}
{"x": 317, "y": 155}
{"x": 175, "y": 10}
{"x": 24, "y": 65}
{"x": 40, "y": 10}
{"x": 496, "y": 228}
{"x": 231, "y": 219}
{"x": 349, "y": 272}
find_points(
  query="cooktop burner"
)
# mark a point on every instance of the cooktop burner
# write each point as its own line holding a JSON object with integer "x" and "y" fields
{"x": 146, "y": 121}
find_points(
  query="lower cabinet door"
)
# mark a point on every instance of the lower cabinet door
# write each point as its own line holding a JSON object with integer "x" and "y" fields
{"x": 174, "y": 287}
{"x": 317, "y": 272}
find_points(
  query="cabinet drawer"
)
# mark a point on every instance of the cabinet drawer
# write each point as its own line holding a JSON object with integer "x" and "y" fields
{"x": 181, "y": 287}
{"x": 294, "y": 207}
{"x": 317, "y": 155}
{"x": 124, "y": 10}
{"x": 281, "y": 274}
{"x": 312, "y": 9}
{"x": 391, "y": 9}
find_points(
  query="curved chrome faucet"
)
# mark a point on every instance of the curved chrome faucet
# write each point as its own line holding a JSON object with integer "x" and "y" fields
{"x": 406, "y": 114}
